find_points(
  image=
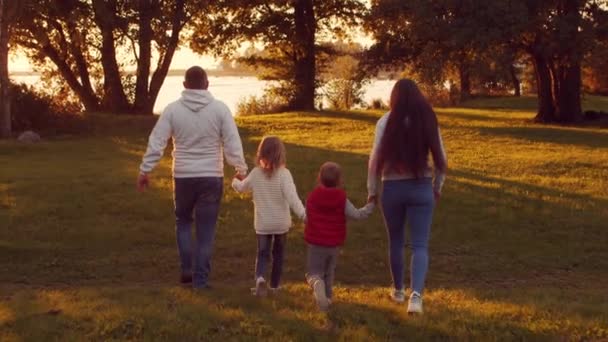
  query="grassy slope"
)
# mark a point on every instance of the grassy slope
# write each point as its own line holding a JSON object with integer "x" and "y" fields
{"x": 518, "y": 246}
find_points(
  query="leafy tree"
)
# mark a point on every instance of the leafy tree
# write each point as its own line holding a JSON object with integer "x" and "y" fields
{"x": 10, "y": 11}
{"x": 88, "y": 44}
{"x": 289, "y": 30}
{"x": 556, "y": 35}
{"x": 434, "y": 37}
{"x": 433, "y": 34}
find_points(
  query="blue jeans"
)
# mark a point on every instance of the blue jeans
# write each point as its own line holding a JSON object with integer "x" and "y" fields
{"x": 276, "y": 242}
{"x": 410, "y": 200}
{"x": 201, "y": 197}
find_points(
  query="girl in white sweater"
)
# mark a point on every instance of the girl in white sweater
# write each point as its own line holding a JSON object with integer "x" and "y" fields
{"x": 274, "y": 193}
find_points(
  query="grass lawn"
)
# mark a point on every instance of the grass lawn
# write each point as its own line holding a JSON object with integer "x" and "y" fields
{"x": 518, "y": 247}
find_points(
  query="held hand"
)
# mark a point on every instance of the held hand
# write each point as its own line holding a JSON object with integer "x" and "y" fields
{"x": 142, "y": 182}
{"x": 239, "y": 176}
{"x": 437, "y": 195}
{"x": 372, "y": 199}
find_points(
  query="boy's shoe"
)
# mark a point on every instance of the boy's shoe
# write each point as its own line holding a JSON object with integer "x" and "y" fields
{"x": 274, "y": 290}
{"x": 318, "y": 287}
{"x": 185, "y": 278}
{"x": 261, "y": 288}
{"x": 398, "y": 296}
{"x": 414, "y": 305}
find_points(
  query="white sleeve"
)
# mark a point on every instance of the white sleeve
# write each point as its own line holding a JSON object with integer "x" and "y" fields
{"x": 290, "y": 194}
{"x": 157, "y": 142}
{"x": 372, "y": 173}
{"x": 358, "y": 214}
{"x": 233, "y": 147}
{"x": 242, "y": 185}
{"x": 439, "y": 173}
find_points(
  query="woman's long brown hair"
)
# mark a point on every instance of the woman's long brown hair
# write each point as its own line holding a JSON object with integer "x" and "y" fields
{"x": 411, "y": 132}
{"x": 271, "y": 155}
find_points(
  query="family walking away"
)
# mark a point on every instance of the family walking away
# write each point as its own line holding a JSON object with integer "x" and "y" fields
{"x": 205, "y": 134}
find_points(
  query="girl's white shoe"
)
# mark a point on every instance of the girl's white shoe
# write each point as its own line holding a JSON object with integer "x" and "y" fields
{"x": 398, "y": 296}
{"x": 414, "y": 306}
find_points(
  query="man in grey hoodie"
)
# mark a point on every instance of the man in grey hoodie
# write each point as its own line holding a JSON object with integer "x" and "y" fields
{"x": 203, "y": 132}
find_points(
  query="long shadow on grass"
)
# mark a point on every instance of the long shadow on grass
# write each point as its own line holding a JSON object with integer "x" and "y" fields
{"x": 488, "y": 233}
{"x": 149, "y": 313}
{"x": 367, "y": 117}
{"x": 562, "y": 136}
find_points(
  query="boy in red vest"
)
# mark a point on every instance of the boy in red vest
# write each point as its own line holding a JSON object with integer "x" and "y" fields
{"x": 327, "y": 209}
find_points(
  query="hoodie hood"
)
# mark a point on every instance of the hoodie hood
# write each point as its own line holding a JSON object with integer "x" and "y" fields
{"x": 196, "y": 99}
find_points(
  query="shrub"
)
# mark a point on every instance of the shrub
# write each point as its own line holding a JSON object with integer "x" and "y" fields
{"x": 344, "y": 94}
{"x": 377, "y": 104}
{"x": 31, "y": 110}
{"x": 264, "y": 104}
{"x": 440, "y": 96}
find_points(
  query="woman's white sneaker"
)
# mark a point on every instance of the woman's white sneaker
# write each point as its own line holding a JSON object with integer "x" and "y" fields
{"x": 261, "y": 288}
{"x": 398, "y": 296}
{"x": 414, "y": 306}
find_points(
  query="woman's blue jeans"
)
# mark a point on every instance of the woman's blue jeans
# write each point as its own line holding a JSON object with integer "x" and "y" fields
{"x": 410, "y": 201}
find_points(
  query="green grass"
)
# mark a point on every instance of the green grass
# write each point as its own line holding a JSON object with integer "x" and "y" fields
{"x": 518, "y": 247}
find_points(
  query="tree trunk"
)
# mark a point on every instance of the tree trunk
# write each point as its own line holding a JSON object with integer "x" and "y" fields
{"x": 86, "y": 96}
{"x": 544, "y": 86}
{"x": 568, "y": 94}
{"x": 144, "y": 58}
{"x": 5, "y": 102}
{"x": 465, "y": 81}
{"x": 158, "y": 78}
{"x": 114, "y": 94}
{"x": 515, "y": 80}
{"x": 77, "y": 52}
{"x": 569, "y": 97}
{"x": 305, "y": 65}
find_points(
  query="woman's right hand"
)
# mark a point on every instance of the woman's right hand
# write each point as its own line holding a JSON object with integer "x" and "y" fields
{"x": 437, "y": 195}
{"x": 372, "y": 199}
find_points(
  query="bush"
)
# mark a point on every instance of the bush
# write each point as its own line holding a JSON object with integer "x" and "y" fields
{"x": 344, "y": 94}
{"x": 265, "y": 104}
{"x": 377, "y": 104}
{"x": 31, "y": 110}
{"x": 440, "y": 96}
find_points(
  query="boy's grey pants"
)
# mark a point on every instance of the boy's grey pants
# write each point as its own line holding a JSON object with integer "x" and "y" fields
{"x": 321, "y": 265}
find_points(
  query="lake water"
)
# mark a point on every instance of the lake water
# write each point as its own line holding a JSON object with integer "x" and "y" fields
{"x": 231, "y": 89}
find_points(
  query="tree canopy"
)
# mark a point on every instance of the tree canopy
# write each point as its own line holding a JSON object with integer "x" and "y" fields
{"x": 291, "y": 33}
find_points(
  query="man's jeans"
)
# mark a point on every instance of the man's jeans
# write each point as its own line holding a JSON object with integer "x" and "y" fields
{"x": 200, "y": 196}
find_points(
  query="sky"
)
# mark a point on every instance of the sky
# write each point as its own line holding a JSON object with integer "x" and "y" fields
{"x": 183, "y": 59}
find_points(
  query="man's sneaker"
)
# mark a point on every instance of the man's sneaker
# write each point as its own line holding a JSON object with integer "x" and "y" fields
{"x": 261, "y": 288}
{"x": 415, "y": 304}
{"x": 318, "y": 288}
{"x": 398, "y": 296}
{"x": 274, "y": 290}
{"x": 185, "y": 278}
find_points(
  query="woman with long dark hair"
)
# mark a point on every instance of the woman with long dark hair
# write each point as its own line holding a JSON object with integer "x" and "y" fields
{"x": 404, "y": 138}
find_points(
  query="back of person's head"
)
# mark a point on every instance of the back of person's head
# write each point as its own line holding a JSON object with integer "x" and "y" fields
{"x": 271, "y": 154}
{"x": 411, "y": 130}
{"x": 196, "y": 78}
{"x": 330, "y": 175}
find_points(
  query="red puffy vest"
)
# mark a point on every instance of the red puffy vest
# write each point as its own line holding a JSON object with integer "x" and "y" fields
{"x": 325, "y": 218}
